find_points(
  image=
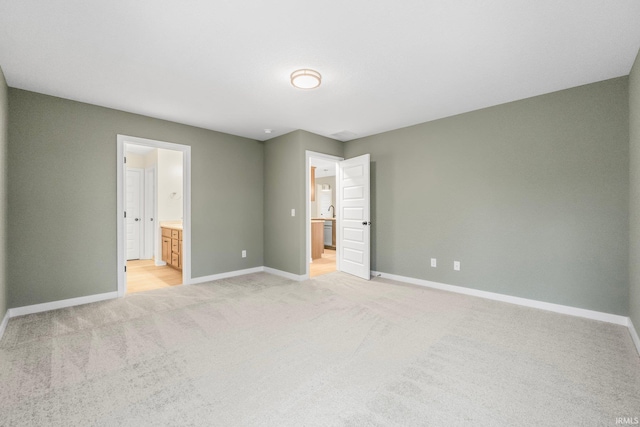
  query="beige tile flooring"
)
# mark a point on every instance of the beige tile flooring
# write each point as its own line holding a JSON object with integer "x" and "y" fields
{"x": 144, "y": 275}
{"x": 324, "y": 265}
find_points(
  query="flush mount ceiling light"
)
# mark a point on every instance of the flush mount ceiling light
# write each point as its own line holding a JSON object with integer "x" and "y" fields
{"x": 306, "y": 79}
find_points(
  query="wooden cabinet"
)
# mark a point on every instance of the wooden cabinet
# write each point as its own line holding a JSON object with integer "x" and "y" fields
{"x": 166, "y": 249}
{"x": 317, "y": 239}
{"x": 333, "y": 235}
{"x": 172, "y": 247}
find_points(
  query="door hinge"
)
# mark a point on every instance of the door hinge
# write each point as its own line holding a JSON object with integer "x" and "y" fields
{"x": 125, "y": 214}
{"x": 125, "y": 159}
{"x": 125, "y": 268}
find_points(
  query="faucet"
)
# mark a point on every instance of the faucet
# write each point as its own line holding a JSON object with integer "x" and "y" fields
{"x": 334, "y": 210}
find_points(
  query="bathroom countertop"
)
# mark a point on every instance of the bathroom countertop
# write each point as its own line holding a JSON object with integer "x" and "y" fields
{"x": 176, "y": 225}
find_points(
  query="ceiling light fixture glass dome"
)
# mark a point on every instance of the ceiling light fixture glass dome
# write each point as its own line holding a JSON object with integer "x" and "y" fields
{"x": 306, "y": 79}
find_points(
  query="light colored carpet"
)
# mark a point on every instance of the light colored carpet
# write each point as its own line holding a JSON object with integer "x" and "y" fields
{"x": 335, "y": 350}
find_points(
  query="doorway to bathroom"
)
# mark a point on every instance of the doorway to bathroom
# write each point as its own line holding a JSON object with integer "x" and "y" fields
{"x": 351, "y": 216}
{"x": 322, "y": 214}
{"x": 323, "y": 217}
{"x": 153, "y": 214}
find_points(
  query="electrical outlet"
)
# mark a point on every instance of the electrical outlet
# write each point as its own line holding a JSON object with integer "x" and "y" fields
{"x": 456, "y": 265}
{"x": 434, "y": 263}
{"x": 293, "y": 212}
{"x": 244, "y": 254}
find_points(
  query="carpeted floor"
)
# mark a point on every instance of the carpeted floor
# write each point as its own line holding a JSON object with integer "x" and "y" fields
{"x": 335, "y": 350}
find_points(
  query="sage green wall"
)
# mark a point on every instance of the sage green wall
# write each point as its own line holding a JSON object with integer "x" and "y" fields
{"x": 530, "y": 196}
{"x": 284, "y": 189}
{"x": 62, "y": 196}
{"x": 634, "y": 202}
{"x": 4, "y": 141}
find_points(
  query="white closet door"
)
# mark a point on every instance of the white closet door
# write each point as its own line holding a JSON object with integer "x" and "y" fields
{"x": 134, "y": 212}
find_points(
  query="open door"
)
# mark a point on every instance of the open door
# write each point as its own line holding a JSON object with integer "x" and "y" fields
{"x": 354, "y": 231}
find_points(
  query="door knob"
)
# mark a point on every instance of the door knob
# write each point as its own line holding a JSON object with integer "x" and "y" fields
{"x": 137, "y": 219}
{"x": 366, "y": 222}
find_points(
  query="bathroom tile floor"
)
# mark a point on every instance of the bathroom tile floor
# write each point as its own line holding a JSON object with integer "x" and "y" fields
{"x": 144, "y": 275}
{"x": 324, "y": 265}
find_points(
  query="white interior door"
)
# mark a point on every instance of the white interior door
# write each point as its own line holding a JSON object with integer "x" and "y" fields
{"x": 149, "y": 212}
{"x": 354, "y": 235}
{"x": 133, "y": 212}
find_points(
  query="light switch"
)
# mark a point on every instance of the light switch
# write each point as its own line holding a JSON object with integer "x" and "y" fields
{"x": 293, "y": 212}
{"x": 434, "y": 263}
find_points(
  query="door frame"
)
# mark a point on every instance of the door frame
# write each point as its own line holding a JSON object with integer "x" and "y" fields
{"x": 307, "y": 192}
{"x": 142, "y": 210}
{"x": 120, "y": 205}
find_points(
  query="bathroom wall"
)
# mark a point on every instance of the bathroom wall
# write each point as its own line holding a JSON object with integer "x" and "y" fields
{"x": 170, "y": 171}
{"x": 330, "y": 180}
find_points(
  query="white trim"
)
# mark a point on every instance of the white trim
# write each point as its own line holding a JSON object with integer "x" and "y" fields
{"x": 120, "y": 224}
{"x": 307, "y": 205}
{"x": 563, "y": 309}
{"x": 186, "y": 221}
{"x": 71, "y": 302}
{"x": 634, "y": 336}
{"x": 54, "y": 305}
{"x": 3, "y": 325}
{"x": 286, "y": 274}
{"x": 557, "y": 308}
{"x": 226, "y": 275}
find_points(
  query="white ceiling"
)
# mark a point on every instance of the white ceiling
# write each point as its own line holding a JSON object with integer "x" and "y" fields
{"x": 138, "y": 149}
{"x": 323, "y": 167}
{"x": 225, "y": 65}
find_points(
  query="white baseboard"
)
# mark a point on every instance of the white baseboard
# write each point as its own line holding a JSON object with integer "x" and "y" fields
{"x": 634, "y": 336}
{"x": 226, "y": 275}
{"x": 4, "y": 323}
{"x": 557, "y": 308}
{"x": 286, "y": 274}
{"x": 54, "y": 305}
